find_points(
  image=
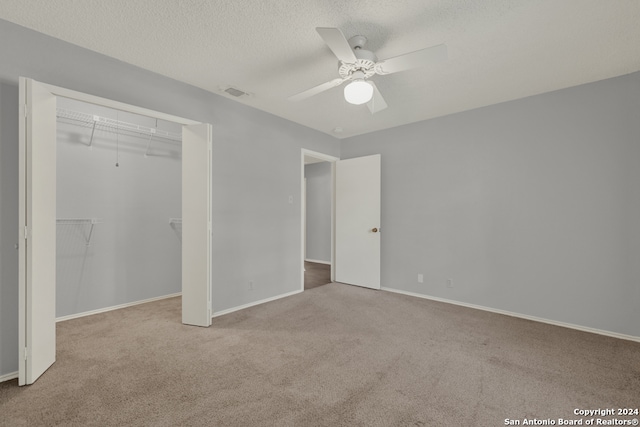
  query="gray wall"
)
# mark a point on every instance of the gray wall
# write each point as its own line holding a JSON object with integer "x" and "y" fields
{"x": 529, "y": 206}
{"x": 318, "y": 211}
{"x": 256, "y": 166}
{"x": 133, "y": 253}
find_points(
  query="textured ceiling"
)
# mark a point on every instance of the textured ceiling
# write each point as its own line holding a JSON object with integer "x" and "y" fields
{"x": 499, "y": 50}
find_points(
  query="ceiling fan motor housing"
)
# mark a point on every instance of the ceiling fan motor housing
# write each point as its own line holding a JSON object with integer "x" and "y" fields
{"x": 366, "y": 61}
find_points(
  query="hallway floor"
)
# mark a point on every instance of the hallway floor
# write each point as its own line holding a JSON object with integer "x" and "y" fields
{"x": 316, "y": 274}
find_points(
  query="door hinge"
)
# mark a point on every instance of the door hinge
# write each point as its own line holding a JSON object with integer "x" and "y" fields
{"x": 25, "y": 353}
{"x": 25, "y": 232}
{"x": 25, "y": 110}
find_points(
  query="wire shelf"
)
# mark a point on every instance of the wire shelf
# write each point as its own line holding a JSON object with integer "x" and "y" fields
{"x": 111, "y": 125}
{"x": 80, "y": 221}
{"x": 77, "y": 221}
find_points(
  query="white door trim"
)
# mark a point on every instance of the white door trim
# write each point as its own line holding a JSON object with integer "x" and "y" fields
{"x": 327, "y": 158}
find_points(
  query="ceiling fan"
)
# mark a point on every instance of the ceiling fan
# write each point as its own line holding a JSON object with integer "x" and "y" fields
{"x": 357, "y": 65}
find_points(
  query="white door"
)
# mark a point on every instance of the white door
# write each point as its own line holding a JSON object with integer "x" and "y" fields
{"x": 196, "y": 217}
{"x": 358, "y": 221}
{"x": 37, "y": 258}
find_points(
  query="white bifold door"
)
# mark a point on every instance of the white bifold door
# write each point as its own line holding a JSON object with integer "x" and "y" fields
{"x": 357, "y": 196}
{"x": 37, "y": 223}
{"x": 196, "y": 217}
{"x": 37, "y": 245}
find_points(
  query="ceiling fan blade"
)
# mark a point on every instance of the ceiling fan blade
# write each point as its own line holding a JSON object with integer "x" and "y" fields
{"x": 377, "y": 102}
{"x": 316, "y": 90}
{"x": 338, "y": 44}
{"x": 419, "y": 58}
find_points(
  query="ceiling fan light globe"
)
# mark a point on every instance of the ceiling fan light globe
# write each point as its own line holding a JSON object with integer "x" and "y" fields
{"x": 358, "y": 92}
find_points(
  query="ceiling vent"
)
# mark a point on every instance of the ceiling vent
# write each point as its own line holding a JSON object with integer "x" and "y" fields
{"x": 235, "y": 92}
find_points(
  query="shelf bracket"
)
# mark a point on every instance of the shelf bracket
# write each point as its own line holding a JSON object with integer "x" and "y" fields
{"x": 152, "y": 131}
{"x": 93, "y": 130}
{"x": 90, "y": 232}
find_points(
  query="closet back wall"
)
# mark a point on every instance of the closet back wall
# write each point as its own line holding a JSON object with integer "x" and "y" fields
{"x": 132, "y": 253}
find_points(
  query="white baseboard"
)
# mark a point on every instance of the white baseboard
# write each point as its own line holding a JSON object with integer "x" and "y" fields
{"x": 9, "y": 376}
{"x": 115, "y": 307}
{"x": 522, "y": 316}
{"x": 251, "y": 304}
{"x": 317, "y": 261}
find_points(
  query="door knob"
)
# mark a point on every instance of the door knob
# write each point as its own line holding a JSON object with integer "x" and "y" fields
{"x": 375, "y": 230}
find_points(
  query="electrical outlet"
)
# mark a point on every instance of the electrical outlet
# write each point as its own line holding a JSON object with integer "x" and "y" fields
{"x": 449, "y": 283}
{"x": 251, "y": 285}
{"x": 420, "y": 278}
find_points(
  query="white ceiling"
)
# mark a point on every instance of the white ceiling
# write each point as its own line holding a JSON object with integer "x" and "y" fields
{"x": 499, "y": 50}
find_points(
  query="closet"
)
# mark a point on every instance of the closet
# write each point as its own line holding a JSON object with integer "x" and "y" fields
{"x": 118, "y": 207}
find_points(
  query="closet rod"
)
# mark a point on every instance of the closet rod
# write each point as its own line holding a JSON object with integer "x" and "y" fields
{"x": 112, "y": 125}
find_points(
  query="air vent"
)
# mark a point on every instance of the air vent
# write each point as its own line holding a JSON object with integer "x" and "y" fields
{"x": 235, "y": 92}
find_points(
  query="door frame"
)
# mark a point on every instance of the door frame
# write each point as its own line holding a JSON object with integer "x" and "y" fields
{"x": 91, "y": 99}
{"x": 325, "y": 158}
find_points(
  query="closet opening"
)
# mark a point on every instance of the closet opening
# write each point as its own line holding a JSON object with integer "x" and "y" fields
{"x": 118, "y": 208}
{"x": 99, "y": 208}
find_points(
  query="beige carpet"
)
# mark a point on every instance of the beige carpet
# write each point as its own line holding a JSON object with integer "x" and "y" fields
{"x": 336, "y": 355}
